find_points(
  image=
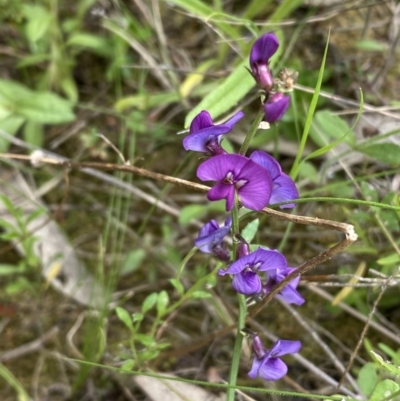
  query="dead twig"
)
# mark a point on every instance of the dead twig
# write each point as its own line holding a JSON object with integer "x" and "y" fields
{"x": 30, "y": 347}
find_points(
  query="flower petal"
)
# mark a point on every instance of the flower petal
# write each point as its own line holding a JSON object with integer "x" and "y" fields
{"x": 263, "y": 49}
{"x": 222, "y": 191}
{"x": 268, "y": 162}
{"x": 275, "y": 111}
{"x": 198, "y": 140}
{"x": 291, "y": 296}
{"x": 232, "y": 121}
{"x": 283, "y": 347}
{"x": 216, "y": 168}
{"x": 211, "y": 235}
{"x": 284, "y": 189}
{"x": 272, "y": 369}
{"x": 246, "y": 283}
{"x": 201, "y": 121}
{"x": 256, "y": 192}
{"x": 271, "y": 259}
{"x": 255, "y": 367}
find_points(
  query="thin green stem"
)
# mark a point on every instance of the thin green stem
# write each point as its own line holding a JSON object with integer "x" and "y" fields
{"x": 252, "y": 131}
{"x": 230, "y": 394}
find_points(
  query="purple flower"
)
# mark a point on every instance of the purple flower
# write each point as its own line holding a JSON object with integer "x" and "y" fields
{"x": 262, "y": 50}
{"x": 283, "y": 187}
{"x": 266, "y": 364}
{"x": 237, "y": 174}
{"x": 245, "y": 269}
{"x": 206, "y": 137}
{"x": 289, "y": 293}
{"x": 276, "y": 107}
{"x": 211, "y": 236}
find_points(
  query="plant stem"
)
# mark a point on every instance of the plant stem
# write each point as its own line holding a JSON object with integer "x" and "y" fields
{"x": 230, "y": 394}
{"x": 252, "y": 131}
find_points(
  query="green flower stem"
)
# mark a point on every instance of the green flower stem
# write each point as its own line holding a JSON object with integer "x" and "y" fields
{"x": 252, "y": 131}
{"x": 230, "y": 394}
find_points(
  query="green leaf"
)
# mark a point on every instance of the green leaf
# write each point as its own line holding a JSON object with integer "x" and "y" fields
{"x": 33, "y": 59}
{"x": 177, "y": 285}
{"x": 200, "y": 294}
{"x": 137, "y": 317}
{"x": 33, "y": 133}
{"x": 145, "y": 339}
{"x": 249, "y": 232}
{"x": 125, "y": 317}
{"x": 383, "y": 152}
{"x": 190, "y": 212}
{"x": 367, "y": 378}
{"x": 226, "y": 95}
{"x": 149, "y": 302}
{"x": 386, "y": 364}
{"x": 10, "y": 125}
{"x": 383, "y": 390}
{"x": 69, "y": 88}
{"x": 389, "y": 260}
{"x": 132, "y": 261}
{"x": 38, "y": 22}
{"x": 8, "y": 269}
{"x": 202, "y": 10}
{"x": 128, "y": 365}
{"x": 371, "y": 45}
{"x": 46, "y": 108}
{"x": 162, "y": 302}
{"x": 39, "y": 107}
{"x": 308, "y": 170}
{"x": 95, "y": 43}
{"x": 327, "y": 126}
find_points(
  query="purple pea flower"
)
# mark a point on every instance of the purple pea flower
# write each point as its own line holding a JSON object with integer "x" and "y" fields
{"x": 237, "y": 174}
{"x": 211, "y": 236}
{"x": 206, "y": 137}
{"x": 267, "y": 364}
{"x": 245, "y": 269}
{"x": 289, "y": 293}
{"x": 262, "y": 50}
{"x": 283, "y": 187}
{"x": 276, "y": 107}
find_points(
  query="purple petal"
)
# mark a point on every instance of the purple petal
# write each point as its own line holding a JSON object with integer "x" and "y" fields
{"x": 222, "y": 191}
{"x": 211, "y": 235}
{"x": 284, "y": 189}
{"x": 268, "y": 162}
{"x": 291, "y": 296}
{"x": 272, "y": 369}
{"x": 263, "y": 49}
{"x": 232, "y": 121}
{"x": 275, "y": 111}
{"x": 201, "y": 121}
{"x": 246, "y": 283}
{"x": 255, "y": 367}
{"x": 255, "y": 194}
{"x": 208, "y": 228}
{"x": 283, "y": 347}
{"x": 198, "y": 140}
{"x": 272, "y": 259}
{"x": 217, "y": 167}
